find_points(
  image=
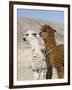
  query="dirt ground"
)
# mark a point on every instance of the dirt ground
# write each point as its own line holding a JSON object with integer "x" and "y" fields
{"x": 24, "y": 64}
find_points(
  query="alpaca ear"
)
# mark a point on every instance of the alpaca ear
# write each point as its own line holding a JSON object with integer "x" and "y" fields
{"x": 53, "y": 30}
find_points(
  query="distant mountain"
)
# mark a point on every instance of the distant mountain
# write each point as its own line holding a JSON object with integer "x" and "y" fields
{"x": 24, "y": 24}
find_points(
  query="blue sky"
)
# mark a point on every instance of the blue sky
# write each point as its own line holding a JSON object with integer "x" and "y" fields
{"x": 50, "y": 15}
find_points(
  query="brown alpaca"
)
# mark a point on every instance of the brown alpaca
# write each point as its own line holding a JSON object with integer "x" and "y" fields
{"x": 55, "y": 52}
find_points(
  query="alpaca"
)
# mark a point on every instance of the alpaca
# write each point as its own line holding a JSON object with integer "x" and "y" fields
{"x": 55, "y": 52}
{"x": 38, "y": 59}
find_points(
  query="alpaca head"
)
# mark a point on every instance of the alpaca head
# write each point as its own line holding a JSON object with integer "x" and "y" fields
{"x": 47, "y": 32}
{"x": 29, "y": 35}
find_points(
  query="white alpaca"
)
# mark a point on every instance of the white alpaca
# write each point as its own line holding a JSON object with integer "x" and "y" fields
{"x": 38, "y": 59}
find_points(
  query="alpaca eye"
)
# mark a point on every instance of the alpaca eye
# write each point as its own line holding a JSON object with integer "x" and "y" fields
{"x": 34, "y": 34}
{"x": 26, "y": 34}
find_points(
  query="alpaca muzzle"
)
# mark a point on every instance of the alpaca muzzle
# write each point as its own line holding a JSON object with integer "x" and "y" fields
{"x": 24, "y": 39}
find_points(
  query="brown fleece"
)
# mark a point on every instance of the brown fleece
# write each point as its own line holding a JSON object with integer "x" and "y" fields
{"x": 56, "y": 56}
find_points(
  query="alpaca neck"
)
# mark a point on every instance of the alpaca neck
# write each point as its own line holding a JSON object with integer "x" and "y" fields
{"x": 35, "y": 46}
{"x": 50, "y": 43}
